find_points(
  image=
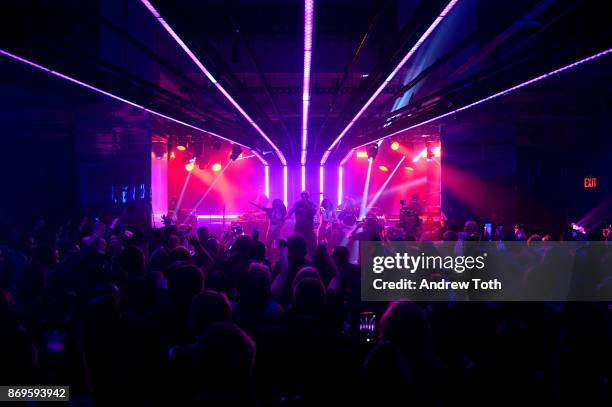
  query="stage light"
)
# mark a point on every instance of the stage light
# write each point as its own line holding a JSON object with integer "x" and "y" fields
{"x": 216, "y": 167}
{"x": 303, "y": 176}
{"x": 423, "y": 153}
{"x": 285, "y": 185}
{"x": 437, "y": 152}
{"x": 236, "y": 152}
{"x": 210, "y": 77}
{"x": 389, "y": 78}
{"x": 409, "y": 169}
{"x": 172, "y": 155}
{"x": 366, "y": 189}
{"x": 383, "y": 168}
{"x": 267, "y": 181}
{"x": 321, "y": 181}
{"x": 308, "y": 28}
{"x": 181, "y": 147}
{"x": 395, "y": 146}
{"x": 384, "y": 185}
{"x": 340, "y": 170}
{"x": 189, "y": 166}
{"x": 362, "y": 154}
{"x": 372, "y": 151}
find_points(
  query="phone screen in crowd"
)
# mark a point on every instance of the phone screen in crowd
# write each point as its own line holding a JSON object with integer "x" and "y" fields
{"x": 488, "y": 231}
{"x": 367, "y": 326}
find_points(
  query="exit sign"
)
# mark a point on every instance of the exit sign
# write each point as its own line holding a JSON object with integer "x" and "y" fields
{"x": 590, "y": 182}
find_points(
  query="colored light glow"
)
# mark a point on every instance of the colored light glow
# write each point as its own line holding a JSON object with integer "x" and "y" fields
{"x": 210, "y": 77}
{"x": 308, "y": 28}
{"x": 303, "y": 176}
{"x": 499, "y": 94}
{"x": 409, "y": 169}
{"x": 383, "y": 168}
{"x": 395, "y": 146}
{"x": 189, "y": 167}
{"x": 113, "y": 96}
{"x": 423, "y": 153}
{"x": 172, "y": 155}
{"x": 384, "y": 185}
{"x": 181, "y": 148}
{"x": 362, "y": 154}
{"x": 216, "y": 167}
{"x": 366, "y": 189}
{"x": 285, "y": 185}
{"x": 340, "y": 171}
{"x": 321, "y": 182}
{"x": 216, "y": 216}
{"x": 399, "y": 66}
{"x": 267, "y": 181}
{"x": 437, "y": 152}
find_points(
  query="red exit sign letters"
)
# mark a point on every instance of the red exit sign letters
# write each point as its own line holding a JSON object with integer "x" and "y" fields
{"x": 590, "y": 182}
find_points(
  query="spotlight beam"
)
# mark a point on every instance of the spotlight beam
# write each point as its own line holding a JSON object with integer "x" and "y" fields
{"x": 113, "y": 96}
{"x": 210, "y": 77}
{"x": 210, "y": 187}
{"x": 494, "y": 96}
{"x": 384, "y": 185}
{"x": 366, "y": 188}
{"x": 389, "y": 78}
{"x": 182, "y": 194}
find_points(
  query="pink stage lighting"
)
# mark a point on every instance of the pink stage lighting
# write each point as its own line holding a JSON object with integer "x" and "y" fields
{"x": 308, "y": 27}
{"x": 210, "y": 77}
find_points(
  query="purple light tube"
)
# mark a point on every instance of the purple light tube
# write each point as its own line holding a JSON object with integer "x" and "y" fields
{"x": 206, "y": 72}
{"x": 399, "y": 66}
{"x": 267, "y": 181}
{"x": 113, "y": 96}
{"x": 308, "y": 27}
{"x": 340, "y": 170}
{"x": 285, "y": 185}
{"x": 496, "y": 95}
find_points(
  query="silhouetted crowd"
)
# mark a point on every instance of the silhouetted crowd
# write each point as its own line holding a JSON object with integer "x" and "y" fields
{"x": 169, "y": 317}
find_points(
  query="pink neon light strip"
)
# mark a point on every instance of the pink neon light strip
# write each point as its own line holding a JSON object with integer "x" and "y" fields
{"x": 496, "y": 95}
{"x": 111, "y": 95}
{"x": 285, "y": 185}
{"x": 410, "y": 53}
{"x": 267, "y": 180}
{"x": 340, "y": 170}
{"x": 202, "y": 68}
{"x": 308, "y": 27}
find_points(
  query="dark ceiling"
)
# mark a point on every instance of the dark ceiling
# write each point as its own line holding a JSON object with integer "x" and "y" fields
{"x": 255, "y": 50}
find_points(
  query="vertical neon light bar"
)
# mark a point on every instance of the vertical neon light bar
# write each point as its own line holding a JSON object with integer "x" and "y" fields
{"x": 308, "y": 28}
{"x": 321, "y": 179}
{"x": 340, "y": 169}
{"x": 303, "y": 176}
{"x": 366, "y": 189}
{"x": 285, "y": 184}
{"x": 267, "y": 181}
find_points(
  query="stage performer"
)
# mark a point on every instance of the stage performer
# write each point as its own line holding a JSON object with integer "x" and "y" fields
{"x": 327, "y": 214}
{"x": 305, "y": 211}
{"x": 276, "y": 218}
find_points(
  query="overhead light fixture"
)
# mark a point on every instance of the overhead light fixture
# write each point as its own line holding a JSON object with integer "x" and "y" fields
{"x": 383, "y": 168}
{"x": 362, "y": 154}
{"x": 212, "y": 79}
{"x": 395, "y": 145}
{"x": 308, "y": 28}
{"x": 216, "y": 167}
{"x": 110, "y": 95}
{"x": 399, "y": 66}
